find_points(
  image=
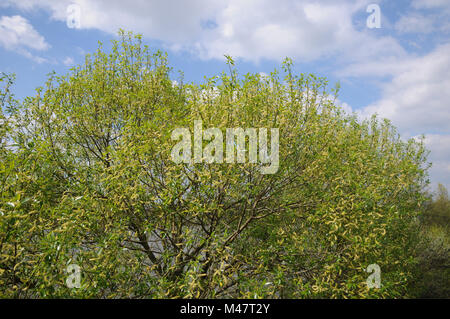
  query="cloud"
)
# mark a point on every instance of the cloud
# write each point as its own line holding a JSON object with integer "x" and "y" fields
{"x": 440, "y": 157}
{"x": 17, "y": 34}
{"x": 415, "y": 23}
{"x": 252, "y": 29}
{"x": 416, "y": 99}
{"x": 414, "y": 89}
{"x": 425, "y": 16}
{"x": 305, "y": 31}
{"x": 430, "y": 4}
{"x": 171, "y": 21}
{"x": 68, "y": 61}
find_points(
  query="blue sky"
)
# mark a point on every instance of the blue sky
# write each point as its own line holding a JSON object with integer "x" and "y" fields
{"x": 399, "y": 70}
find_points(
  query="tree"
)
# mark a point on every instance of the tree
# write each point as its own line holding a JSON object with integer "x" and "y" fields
{"x": 432, "y": 278}
{"x": 438, "y": 210}
{"x": 96, "y": 186}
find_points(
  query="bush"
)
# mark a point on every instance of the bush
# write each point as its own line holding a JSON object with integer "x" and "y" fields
{"x": 433, "y": 273}
{"x": 89, "y": 180}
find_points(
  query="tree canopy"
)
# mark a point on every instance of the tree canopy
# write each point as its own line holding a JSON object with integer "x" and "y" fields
{"x": 86, "y": 178}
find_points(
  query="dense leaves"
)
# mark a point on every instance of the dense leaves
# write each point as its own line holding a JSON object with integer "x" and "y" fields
{"x": 87, "y": 178}
{"x": 432, "y": 277}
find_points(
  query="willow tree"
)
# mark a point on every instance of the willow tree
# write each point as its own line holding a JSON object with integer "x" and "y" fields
{"x": 99, "y": 188}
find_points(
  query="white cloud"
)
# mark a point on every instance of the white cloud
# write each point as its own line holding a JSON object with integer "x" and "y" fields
{"x": 416, "y": 100}
{"x": 17, "y": 34}
{"x": 415, "y": 23}
{"x": 430, "y": 4}
{"x": 425, "y": 16}
{"x": 68, "y": 61}
{"x": 440, "y": 157}
{"x": 171, "y": 21}
{"x": 305, "y": 31}
{"x": 252, "y": 29}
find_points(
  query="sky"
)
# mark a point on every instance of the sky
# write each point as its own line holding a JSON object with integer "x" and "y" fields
{"x": 390, "y": 57}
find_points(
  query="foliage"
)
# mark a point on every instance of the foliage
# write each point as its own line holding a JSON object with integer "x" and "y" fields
{"x": 432, "y": 278}
{"x": 87, "y": 179}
